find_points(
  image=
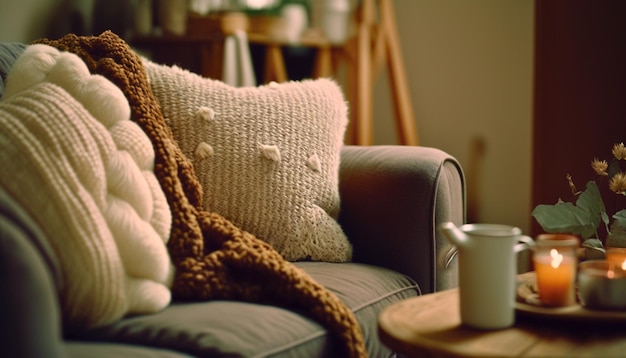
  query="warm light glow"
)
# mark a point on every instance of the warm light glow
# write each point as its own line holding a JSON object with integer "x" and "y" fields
{"x": 259, "y": 4}
{"x": 557, "y": 258}
{"x": 610, "y": 273}
{"x": 556, "y": 274}
{"x": 617, "y": 255}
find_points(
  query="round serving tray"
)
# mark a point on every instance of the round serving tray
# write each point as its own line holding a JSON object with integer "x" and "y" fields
{"x": 528, "y": 304}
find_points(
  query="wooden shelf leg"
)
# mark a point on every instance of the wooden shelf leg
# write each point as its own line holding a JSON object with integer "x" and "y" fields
{"x": 405, "y": 118}
{"x": 323, "y": 63}
{"x": 275, "y": 64}
{"x": 212, "y": 54}
{"x": 363, "y": 126}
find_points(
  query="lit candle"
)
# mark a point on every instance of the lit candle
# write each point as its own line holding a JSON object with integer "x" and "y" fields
{"x": 555, "y": 261}
{"x": 556, "y": 275}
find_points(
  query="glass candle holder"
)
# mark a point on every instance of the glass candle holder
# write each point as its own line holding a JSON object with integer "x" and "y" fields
{"x": 602, "y": 285}
{"x": 555, "y": 261}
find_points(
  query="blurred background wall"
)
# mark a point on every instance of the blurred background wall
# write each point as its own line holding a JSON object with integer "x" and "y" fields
{"x": 470, "y": 71}
{"x": 27, "y": 20}
{"x": 469, "y": 66}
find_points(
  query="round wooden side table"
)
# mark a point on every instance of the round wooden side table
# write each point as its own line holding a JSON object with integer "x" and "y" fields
{"x": 430, "y": 325}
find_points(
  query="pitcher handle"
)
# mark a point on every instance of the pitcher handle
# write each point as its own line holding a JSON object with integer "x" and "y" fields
{"x": 524, "y": 243}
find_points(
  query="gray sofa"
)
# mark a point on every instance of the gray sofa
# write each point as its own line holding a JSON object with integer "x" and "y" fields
{"x": 392, "y": 200}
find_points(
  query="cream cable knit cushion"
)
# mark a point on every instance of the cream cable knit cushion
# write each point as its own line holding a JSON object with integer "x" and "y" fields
{"x": 73, "y": 158}
{"x": 267, "y": 157}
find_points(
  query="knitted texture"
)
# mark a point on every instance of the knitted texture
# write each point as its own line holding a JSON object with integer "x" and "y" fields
{"x": 73, "y": 158}
{"x": 214, "y": 259}
{"x": 267, "y": 157}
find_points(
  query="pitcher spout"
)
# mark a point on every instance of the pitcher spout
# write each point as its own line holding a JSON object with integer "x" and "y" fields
{"x": 454, "y": 234}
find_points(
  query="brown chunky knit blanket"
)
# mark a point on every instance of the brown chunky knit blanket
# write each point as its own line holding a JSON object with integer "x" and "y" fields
{"x": 213, "y": 258}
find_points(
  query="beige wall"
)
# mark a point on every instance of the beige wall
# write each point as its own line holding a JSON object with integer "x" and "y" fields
{"x": 25, "y": 20}
{"x": 470, "y": 68}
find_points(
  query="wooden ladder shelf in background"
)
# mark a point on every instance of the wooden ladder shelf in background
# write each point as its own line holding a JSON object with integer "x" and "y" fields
{"x": 377, "y": 43}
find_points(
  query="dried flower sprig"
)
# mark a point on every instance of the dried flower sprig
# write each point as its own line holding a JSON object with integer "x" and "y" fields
{"x": 600, "y": 167}
{"x": 617, "y": 184}
{"x": 617, "y": 181}
{"x": 619, "y": 151}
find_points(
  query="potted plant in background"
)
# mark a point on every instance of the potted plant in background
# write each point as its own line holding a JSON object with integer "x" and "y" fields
{"x": 585, "y": 216}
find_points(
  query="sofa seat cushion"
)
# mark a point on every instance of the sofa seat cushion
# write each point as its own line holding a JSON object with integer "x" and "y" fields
{"x": 231, "y": 328}
{"x": 108, "y": 350}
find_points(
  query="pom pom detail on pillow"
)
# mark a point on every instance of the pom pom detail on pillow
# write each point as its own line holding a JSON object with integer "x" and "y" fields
{"x": 267, "y": 157}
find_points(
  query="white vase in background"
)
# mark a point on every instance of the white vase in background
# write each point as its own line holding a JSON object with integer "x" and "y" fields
{"x": 295, "y": 21}
{"x": 332, "y": 17}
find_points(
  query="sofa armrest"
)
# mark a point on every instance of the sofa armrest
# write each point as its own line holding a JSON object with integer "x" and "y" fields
{"x": 393, "y": 199}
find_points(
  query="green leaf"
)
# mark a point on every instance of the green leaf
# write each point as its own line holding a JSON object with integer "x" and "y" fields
{"x": 605, "y": 220}
{"x": 613, "y": 168}
{"x": 581, "y": 219}
{"x": 591, "y": 201}
{"x": 594, "y": 249}
{"x": 565, "y": 218}
{"x": 619, "y": 221}
{"x": 593, "y": 244}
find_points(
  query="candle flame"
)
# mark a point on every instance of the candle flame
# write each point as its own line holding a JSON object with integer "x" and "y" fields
{"x": 556, "y": 258}
{"x": 624, "y": 265}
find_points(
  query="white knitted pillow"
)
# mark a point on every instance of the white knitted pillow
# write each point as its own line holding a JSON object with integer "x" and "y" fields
{"x": 267, "y": 157}
{"x": 73, "y": 158}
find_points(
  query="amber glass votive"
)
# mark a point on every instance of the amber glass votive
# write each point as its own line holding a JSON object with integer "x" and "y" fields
{"x": 555, "y": 261}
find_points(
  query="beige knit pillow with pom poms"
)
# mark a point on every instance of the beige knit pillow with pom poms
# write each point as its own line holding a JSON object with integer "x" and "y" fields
{"x": 267, "y": 157}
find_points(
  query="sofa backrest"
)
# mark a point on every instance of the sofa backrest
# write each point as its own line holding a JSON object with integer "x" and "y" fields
{"x": 29, "y": 308}
{"x": 9, "y": 52}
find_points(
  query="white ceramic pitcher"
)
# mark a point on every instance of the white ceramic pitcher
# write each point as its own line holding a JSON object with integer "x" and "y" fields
{"x": 487, "y": 270}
